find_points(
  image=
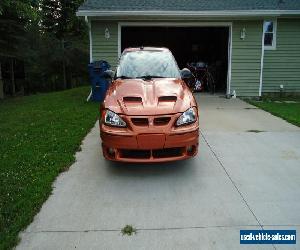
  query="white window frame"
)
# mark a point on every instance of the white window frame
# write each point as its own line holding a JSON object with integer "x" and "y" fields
{"x": 273, "y": 46}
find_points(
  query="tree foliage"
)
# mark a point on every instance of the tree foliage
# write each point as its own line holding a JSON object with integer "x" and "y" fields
{"x": 58, "y": 18}
{"x": 47, "y": 40}
{"x": 14, "y": 15}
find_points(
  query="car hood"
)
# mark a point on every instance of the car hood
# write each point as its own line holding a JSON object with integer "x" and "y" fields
{"x": 153, "y": 97}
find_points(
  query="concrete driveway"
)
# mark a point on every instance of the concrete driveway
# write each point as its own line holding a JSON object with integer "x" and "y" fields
{"x": 239, "y": 180}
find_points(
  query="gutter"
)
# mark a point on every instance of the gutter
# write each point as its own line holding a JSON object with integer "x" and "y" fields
{"x": 262, "y": 61}
{"x": 221, "y": 13}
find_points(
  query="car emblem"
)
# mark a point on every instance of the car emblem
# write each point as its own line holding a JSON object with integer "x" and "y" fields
{"x": 151, "y": 121}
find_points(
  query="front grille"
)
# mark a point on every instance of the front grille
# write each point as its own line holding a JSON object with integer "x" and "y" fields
{"x": 167, "y": 152}
{"x": 146, "y": 154}
{"x": 137, "y": 154}
{"x": 158, "y": 121}
{"x": 161, "y": 120}
{"x": 140, "y": 121}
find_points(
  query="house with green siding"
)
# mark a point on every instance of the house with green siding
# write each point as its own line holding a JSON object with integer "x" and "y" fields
{"x": 254, "y": 44}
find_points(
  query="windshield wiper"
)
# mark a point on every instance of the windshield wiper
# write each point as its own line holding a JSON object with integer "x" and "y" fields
{"x": 124, "y": 77}
{"x": 149, "y": 77}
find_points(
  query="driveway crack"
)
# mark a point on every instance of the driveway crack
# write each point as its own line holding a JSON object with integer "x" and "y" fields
{"x": 231, "y": 180}
{"x": 155, "y": 228}
{"x": 140, "y": 229}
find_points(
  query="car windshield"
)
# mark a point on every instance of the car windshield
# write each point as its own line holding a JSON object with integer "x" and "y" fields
{"x": 147, "y": 64}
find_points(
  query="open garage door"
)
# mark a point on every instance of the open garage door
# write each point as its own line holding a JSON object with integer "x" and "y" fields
{"x": 188, "y": 44}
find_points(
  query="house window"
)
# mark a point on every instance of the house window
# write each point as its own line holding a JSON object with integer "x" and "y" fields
{"x": 270, "y": 34}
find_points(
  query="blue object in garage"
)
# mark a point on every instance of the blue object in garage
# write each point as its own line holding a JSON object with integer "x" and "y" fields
{"x": 99, "y": 80}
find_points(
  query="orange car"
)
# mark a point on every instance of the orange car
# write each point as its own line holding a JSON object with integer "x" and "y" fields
{"x": 149, "y": 114}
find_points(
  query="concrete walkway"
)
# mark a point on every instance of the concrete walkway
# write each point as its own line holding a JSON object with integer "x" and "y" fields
{"x": 239, "y": 180}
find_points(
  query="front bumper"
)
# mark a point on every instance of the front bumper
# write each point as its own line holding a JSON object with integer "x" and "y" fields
{"x": 149, "y": 144}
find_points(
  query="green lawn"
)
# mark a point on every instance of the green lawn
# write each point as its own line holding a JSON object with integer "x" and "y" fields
{"x": 39, "y": 135}
{"x": 281, "y": 107}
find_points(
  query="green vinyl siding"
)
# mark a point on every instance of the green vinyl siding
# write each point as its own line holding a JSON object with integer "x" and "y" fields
{"x": 103, "y": 48}
{"x": 246, "y": 54}
{"x": 246, "y": 57}
{"x": 282, "y": 65}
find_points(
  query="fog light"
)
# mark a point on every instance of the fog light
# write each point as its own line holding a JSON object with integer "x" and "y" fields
{"x": 111, "y": 151}
{"x": 191, "y": 150}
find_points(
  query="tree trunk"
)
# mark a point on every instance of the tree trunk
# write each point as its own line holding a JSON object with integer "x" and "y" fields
{"x": 64, "y": 65}
{"x": 12, "y": 77}
{"x": 22, "y": 87}
{"x": 1, "y": 85}
{"x": 71, "y": 79}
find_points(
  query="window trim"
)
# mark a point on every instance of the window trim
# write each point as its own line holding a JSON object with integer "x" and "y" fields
{"x": 274, "y": 42}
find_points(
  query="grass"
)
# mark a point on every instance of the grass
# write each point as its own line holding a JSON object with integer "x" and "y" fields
{"x": 279, "y": 107}
{"x": 128, "y": 230}
{"x": 39, "y": 136}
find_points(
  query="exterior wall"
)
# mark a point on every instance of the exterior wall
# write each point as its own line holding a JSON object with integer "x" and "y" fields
{"x": 102, "y": 48}
{"x": 246, "y": 54}
{"x": 282, "y": 66}
{"x": 246, "y": 57}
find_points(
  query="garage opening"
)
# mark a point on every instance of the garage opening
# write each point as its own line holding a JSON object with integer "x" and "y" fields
{"x": 188, "y": 45}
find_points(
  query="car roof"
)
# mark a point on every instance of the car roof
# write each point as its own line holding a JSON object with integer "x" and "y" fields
{"x": 162, "y": 49}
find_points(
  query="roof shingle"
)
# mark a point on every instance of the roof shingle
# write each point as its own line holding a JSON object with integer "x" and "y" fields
{"x": 189, "y": 5}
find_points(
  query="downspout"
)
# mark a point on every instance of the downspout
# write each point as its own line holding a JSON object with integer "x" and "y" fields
{"x": 89, "y": 23}
{"x": 262, "y": 60}
{"x": 91, "y": 50}
{"x": 228, "y": 95}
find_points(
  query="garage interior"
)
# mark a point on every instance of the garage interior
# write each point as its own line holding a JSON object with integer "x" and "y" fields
{"x": 188, "y": 44}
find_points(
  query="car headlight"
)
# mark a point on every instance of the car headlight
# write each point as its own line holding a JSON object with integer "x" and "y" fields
{"x": 112, "y": 119}
{"x": 187, "y": 117}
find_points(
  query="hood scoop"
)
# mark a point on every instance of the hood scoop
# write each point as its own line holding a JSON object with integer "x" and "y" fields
{"x": 132, "y": 103}
{"x": 167, "y": 98}
{"x": 132, "y": 99}
{"x": 168, "y": 101}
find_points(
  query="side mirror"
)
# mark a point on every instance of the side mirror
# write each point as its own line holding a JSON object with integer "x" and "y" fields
{"x": 109, "y": 74}
{"x": 188, "y": 77}
{"x": 186, "y": 74}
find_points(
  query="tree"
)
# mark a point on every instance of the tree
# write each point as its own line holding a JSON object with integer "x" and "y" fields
{"x": 58, "y": 17}
{"x": 28, "y": 29}
{"x": 10, "y": 41}
{"x": 14, "y": 14}
{"x": 1, "y": 84}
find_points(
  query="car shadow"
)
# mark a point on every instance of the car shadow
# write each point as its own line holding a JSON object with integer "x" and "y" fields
{"x": 183, "y": 167}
